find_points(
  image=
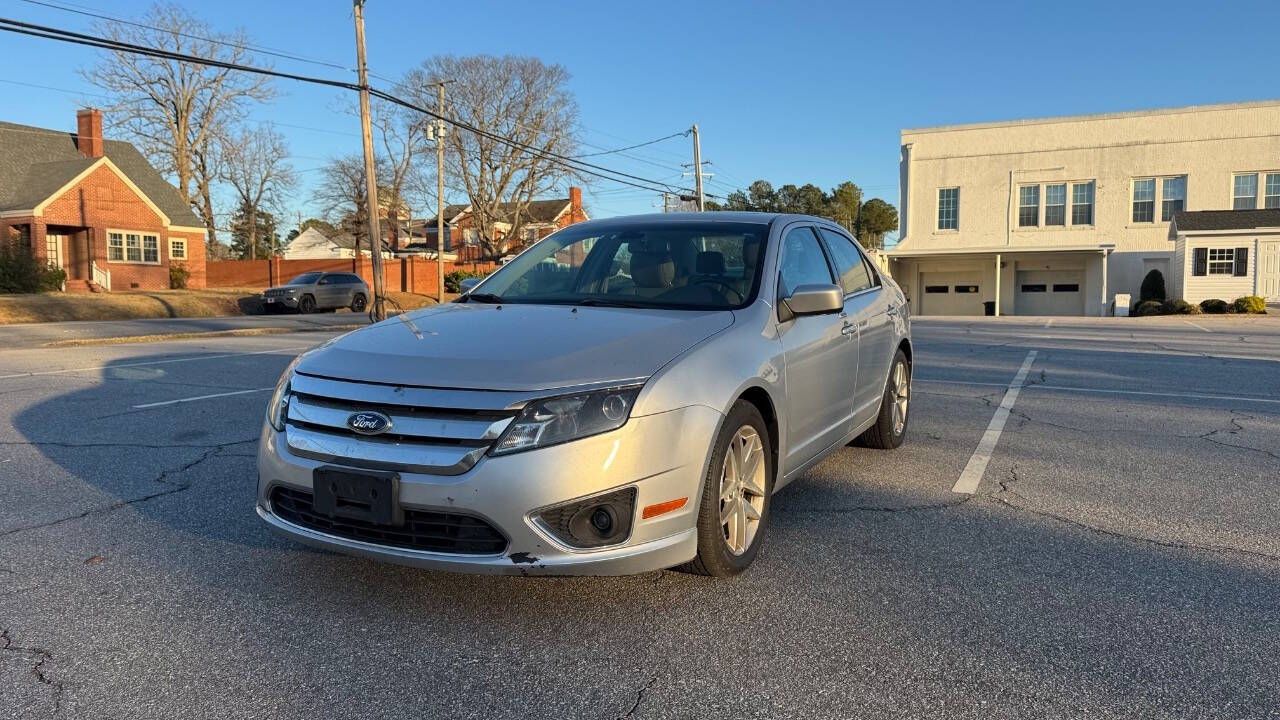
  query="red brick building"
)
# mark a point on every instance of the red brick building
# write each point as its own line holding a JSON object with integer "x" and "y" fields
{"x": 96, "y": 208}
{"x": 539, "y": 219}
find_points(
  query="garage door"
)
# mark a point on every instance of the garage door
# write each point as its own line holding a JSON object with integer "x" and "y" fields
{"x": 950, "y": 293}
{"x": 1049, "y": 292}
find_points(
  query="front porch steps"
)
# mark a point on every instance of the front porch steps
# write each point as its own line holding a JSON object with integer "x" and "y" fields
{"x": 83, "y": 286}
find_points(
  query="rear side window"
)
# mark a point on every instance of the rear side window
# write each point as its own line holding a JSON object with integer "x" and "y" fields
{"x": 852, "y": 270}
{"x": 803, "y": 262}
{"x": 353, "y": 279}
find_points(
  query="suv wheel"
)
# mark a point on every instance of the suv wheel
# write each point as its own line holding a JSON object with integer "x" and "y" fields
{"x": 358, "y": 303}
{"x": 736, "y": 494}
{"x": 306, "y": 305}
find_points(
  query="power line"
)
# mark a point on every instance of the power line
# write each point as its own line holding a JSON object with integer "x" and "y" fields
{"x": 638, "y": 145}
{"x": 51, "y": 33}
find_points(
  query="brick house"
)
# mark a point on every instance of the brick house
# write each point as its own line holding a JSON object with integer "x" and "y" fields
{"x": 539, "y": 219}
{"x": 96, "y": 208}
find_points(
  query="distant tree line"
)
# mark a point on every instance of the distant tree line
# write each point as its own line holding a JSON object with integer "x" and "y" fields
{"x": 870, "y": 220}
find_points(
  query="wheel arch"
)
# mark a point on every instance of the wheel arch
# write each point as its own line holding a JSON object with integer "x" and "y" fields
{"x": 760, "y": 398}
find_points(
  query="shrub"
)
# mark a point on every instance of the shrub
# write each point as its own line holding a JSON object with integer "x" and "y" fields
{"x": 1178, "y": 307}
{"x": 1148, "y": 307}
{"x": 178, "y": 277}
{"x": 20, "y": 272}
{"x": 1152, "y": 287}
{"x": 1214, "y": 306}
{"x": 50, "y": 278}
{"x": 1249, "y": 304}
{"x": 452, "y": 279}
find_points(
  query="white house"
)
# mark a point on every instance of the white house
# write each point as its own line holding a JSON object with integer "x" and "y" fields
{"x": 312, "y": 244}
{"x": 1225, "y": 254}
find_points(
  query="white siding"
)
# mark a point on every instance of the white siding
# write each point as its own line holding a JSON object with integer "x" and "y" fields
{"x": 1223, "y": 287}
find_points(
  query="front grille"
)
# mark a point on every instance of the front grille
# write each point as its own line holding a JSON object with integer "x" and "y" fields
{"x": 431, "y": 531}
{"x": 276, "y": 293}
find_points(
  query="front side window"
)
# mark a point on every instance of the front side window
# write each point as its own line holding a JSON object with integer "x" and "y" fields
{"x": 852, "y": 273}
{"x": 1222, "y": 261}
{"x": 1082, "y": 203}
{"x": 1245, "y": 192}
{"x": 1144, "y": 200}
{"x": 1173, "y": 197}
{"x": 1272, "y": 191}
{"x": 678, "y": 266}
{"x": 949, "y": 209}
{"x": 802, "y": 262}
{"x": 1055, "y": 205}
{"x": 1028, "y": 206}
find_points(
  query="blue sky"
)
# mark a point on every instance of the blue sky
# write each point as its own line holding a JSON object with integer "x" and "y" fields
{"x": 785, "y": 91}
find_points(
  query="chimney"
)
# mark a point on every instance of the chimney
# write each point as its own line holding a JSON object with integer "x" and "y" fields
{"x": 575, "y": 205}
{"x": 89, "y": 132}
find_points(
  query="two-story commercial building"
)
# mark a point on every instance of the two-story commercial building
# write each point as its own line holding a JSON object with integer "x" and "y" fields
{"x": 1056, "y": 216}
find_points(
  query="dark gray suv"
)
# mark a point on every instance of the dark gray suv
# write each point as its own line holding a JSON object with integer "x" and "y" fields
{"x": 319, "y": 291}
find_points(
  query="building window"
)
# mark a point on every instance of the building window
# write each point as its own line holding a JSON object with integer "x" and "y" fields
{"x": 935, "y": 289}
{"x": 1245, "y": 192}
{"x": 469, "y": 237}
{"x": 1222, "y": 261}
{"x": 1066, "y": 287}
{"x": 1036, "y": 288}
{"x": 1173, "y": 197}
{"x": 1144, "y": 200}
{"x": 177, "y": 249}
{"x": 1055, "y": 205}
{"x": 530, "y": 235}
{"x": 1029, "y": 206}
{"x": 133, "y": 247}
{"x": 1082, "y": 203}
{"x": 967, "y": 289}
{"x": 949, "y": 209}
{"x": 1272, "y": 199}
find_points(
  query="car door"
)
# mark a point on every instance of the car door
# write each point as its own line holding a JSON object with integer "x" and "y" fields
{"x": 866, "y": 305}
{"x": 328, "y": 290}
{"x": 819, "y": 356}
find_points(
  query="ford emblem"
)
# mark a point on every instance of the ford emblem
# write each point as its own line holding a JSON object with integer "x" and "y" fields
{"x": 369, "y": 423}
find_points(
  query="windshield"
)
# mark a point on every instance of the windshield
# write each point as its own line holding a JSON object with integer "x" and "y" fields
{"x": 306, "y": 279}
{"x": 689, "y": 266}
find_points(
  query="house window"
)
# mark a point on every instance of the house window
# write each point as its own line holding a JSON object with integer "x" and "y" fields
{"x": 949, "y": 208}
{"x": 1173, "y": 197}
{"x": 530, "y": 235}
{"x": 1029, "y": 206}
{"x": 1245, "y": 192}
{"x": 1272, "y": 199}
{"x": 1144, "y": 200}
{"x": 1222, "y": 261}
{"x": 1082, "y": 203}
{"x": 1055, "y": 205}
{"x": 177, "y": 249}
{"x": 133, "y": 247}
{"x": 469, "y": 237}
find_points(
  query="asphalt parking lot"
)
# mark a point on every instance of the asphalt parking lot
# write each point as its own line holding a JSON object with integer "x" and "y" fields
{"x": 1119, "y": 555}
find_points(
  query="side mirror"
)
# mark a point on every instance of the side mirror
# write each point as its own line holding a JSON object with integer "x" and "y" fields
{"x": 816, "y": 299}
{"x": 466, "y": 285}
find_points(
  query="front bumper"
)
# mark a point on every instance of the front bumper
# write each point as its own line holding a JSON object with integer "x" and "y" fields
{"x": 663, "y": 456}
{"x": 285, "y": 301}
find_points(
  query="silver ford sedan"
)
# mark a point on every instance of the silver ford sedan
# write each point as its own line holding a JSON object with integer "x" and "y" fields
{"x": 624, "y": 396}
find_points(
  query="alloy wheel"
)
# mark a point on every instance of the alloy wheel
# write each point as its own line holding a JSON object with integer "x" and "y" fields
{"x": 901, "y": 396}
{"x": 742, "y": 482}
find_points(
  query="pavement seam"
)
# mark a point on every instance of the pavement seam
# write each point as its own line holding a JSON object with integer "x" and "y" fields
{"x": 639, "y": 697}
{"x": 40, "y": 656}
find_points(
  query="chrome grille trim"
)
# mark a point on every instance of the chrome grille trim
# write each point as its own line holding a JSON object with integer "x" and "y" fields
{"x": 373, "y": 395}
{"x": 405, "y": 422}
{"x": 370, "y": 452}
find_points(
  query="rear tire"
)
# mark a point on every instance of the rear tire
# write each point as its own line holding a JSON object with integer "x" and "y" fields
{"x": 736, "y": 495}
{"x": 358, "y": 303}
{"x": 306, "y": 305}
{"x": 891, "y": 423}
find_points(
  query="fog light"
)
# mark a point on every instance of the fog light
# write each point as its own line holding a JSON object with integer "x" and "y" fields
{"x": 591, "y": 522}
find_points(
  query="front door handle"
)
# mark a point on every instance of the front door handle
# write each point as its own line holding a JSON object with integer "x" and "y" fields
{"x": 847, "y": 329}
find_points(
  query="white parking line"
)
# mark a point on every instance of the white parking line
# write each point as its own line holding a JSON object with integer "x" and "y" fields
{"x": 1049, "y": 322}
{"x": 1108, "y": 391}
{"x": 977, "y": 465}
{"x": 151, "y": 362}
{"x": 1198, "y": 327}
{"x": 201, "y": 397}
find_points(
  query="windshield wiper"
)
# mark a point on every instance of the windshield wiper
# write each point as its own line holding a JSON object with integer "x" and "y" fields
{"x": 601, "y": 302}
{"x": 489, "y": 298}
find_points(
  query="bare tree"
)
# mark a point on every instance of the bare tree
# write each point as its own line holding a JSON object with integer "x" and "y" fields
{"x": 341, "y": 193}
{"x": 519, "y": 98}
{"x": 255, "y": 163}
{"x": 175, "y": 111}
{"x": 403, "y": 136}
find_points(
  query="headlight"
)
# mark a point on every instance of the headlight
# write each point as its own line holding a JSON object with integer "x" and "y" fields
{"x": 568, "y": 417}
{"x": 278, "y": 407}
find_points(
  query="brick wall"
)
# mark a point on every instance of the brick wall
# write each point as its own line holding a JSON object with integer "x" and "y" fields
{"x": 416, "y": 275}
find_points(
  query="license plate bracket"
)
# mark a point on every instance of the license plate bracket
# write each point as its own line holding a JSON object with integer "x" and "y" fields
{"x": 368, "y": 496}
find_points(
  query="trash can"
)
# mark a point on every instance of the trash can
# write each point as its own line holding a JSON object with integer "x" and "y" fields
{"x": 989, "y": 308}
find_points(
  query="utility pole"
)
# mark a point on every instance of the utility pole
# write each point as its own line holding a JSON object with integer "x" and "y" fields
{"x": 370, "y": 180}
{"x": 697, "y": 167}
{"x": 440, "y": 193}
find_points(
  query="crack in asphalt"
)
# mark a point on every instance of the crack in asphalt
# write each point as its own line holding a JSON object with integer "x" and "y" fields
{"x": 145, "y": 446}
{"x": 1235, "y": 429}
{"x": 40, "y": 656}
{"x": 639, "y": 697}
{"x": 1007, "y": 489}
{"x": 162, "y": 478}
{"x": 879, "y": 508}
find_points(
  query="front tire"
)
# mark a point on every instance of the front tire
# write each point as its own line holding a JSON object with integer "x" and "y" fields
{"x": 306, "y": 305}
{"x": 736, "y": 495}
{"x": 891, "y": 424}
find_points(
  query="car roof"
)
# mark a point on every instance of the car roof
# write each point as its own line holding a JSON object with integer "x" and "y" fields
{"x": 677, "y": 218}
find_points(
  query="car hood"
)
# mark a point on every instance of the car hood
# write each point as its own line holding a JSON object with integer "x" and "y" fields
{"x": 514, "y": 347}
